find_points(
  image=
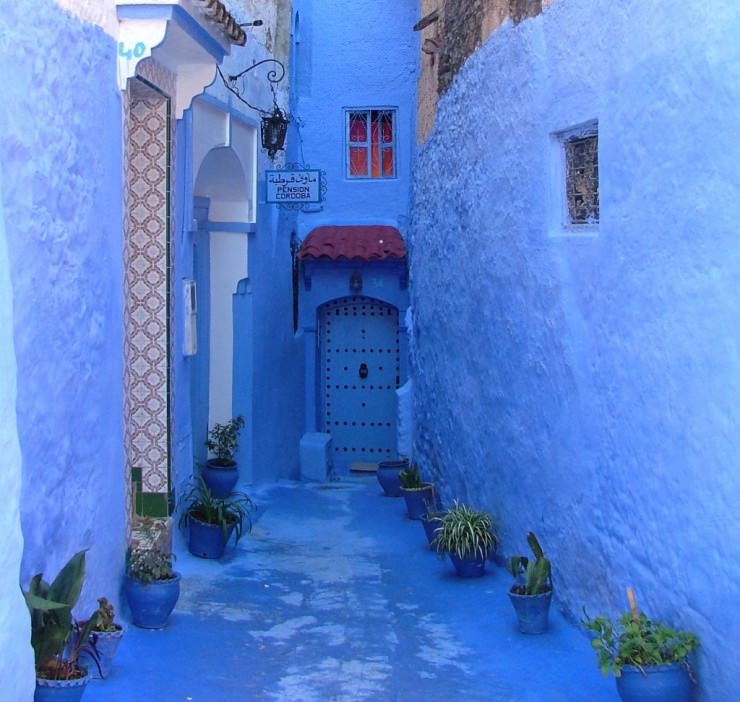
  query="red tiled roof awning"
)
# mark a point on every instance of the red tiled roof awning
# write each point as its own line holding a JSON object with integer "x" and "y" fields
{"x": 354, "y": 243}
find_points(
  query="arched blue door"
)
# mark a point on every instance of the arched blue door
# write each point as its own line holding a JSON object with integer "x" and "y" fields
{"x": 360, "y": 371}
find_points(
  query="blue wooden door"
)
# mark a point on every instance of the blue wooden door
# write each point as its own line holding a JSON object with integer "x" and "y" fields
{"x": 360, "y": 365}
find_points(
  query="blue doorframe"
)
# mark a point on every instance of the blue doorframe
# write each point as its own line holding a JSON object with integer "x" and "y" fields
{"x": 328, "y": 281}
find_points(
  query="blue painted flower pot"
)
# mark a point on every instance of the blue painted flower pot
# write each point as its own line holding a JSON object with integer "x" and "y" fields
{"x": 151, "y": 603}
{"x": 430, "y": 525}
{"x": 388, "y": 476}
{"x": 220, "y": 480}
{"x": 418, "y": 500}
{"x": 470, "y": 566}
{"x": 532, "y": 611}
{"x": 658, "y": 683}
{"x": 206, "y": 540}
{"x": 60, "y": 690}
{"x": 106, "y": 644}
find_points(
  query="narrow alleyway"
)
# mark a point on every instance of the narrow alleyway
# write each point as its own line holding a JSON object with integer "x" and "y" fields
{"x": 335, "y": 596}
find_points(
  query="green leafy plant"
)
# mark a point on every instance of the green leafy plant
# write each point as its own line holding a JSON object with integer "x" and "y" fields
{"x": 534, "y": 574}
{"x": 148, "y": 563}
{"x": 56, "y": 640}
{"x": 635, "y": 639}
{"x": 465, "y": 531}
{"x": 433, "y": 515}
{"x": 232, "y": 512}
{"x": 223, "y": 440}
{"x": 410, "y": 478}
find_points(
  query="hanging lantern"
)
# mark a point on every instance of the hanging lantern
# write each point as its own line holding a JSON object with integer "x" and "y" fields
{"x": 274, "y": 129}
{"x": 275, "y": 124}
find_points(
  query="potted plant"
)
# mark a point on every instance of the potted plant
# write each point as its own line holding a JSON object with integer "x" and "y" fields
{"x": 531, "y": 594}
{"x": 388, "y": 475}
{"x": 212, "y": 520}
{"x": 431, "y": 521}
{"x": 648, "y": 658}
{"x": 467, "y": 535}
{"x": 106, "y": 634}
{"x": 416, "y": 493}
{"x": 56, "y": 642}
{"x": 151, "y": 586}
{"x": 220, "y": 472}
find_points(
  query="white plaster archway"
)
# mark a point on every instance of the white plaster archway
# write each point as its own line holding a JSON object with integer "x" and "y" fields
{"x": 224, "y": 175}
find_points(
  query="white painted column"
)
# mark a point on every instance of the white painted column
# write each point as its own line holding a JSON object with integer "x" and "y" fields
{"x": 228, "y": 267}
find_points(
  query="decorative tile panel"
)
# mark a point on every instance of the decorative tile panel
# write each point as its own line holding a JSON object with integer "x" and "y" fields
{"x": 130, "y": 487}
{"x": 147, "y": 283}
{"x": 156, "y": 74}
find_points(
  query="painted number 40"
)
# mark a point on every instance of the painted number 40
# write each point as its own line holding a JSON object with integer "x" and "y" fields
{"x": 136, "y": 52}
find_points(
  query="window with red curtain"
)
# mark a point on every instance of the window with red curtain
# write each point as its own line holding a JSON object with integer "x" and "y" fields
{"x": 371, "y": 151}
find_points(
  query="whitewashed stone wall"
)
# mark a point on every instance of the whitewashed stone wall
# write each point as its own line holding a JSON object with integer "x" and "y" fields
{"x": 60, "y": 146}
{"x": 16, "y": 664}
{"x": 101, "y": 13}
{"x": 586, "y": 387}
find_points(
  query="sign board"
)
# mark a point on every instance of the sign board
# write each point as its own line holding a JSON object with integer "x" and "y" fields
{"x": 293, "y": 187}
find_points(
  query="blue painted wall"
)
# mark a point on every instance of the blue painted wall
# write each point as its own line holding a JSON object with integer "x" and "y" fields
{"x": 60, "y": 146}
{"x": 359, "y": 54}
{"x": 268, "y": 352}
{"x": 587, "y": 388}
{"x": 349, "y": 55}
{"x": 264, "y": 334}
{"x": 190, "y": 372}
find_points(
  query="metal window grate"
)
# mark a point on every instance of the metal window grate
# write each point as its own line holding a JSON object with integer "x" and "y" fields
{"x": 582, "y": 179}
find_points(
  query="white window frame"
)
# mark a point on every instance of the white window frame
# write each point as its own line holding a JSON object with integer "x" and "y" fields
{"x": 367, "y": 144}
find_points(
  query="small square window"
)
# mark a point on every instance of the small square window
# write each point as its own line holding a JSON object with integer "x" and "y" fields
{"x": 371, "y": 143}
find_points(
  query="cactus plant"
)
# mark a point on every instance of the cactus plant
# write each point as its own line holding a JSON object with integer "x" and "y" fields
{"x": 535, "y": 575}
{"x": 410, "y": 478}
{"x": 531, "y": 592}
{"x": 106, "y": 615}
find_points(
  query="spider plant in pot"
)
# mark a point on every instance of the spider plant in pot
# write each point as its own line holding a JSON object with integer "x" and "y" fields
{"x": 416, "y": 493}
{"x": 468, "y": 536}
{"x": 220, "y": 472}
{"x": 106, "y": 634}
{"x": 212, "y": 520}
{"x": 531, "y": 592}
{"x": 56, "y": 641}
{"x": 151, "y": 586}
{"x": 649, "y": 659}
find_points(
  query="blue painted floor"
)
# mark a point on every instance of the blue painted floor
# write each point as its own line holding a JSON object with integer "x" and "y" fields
{"x": 336, "y": 596}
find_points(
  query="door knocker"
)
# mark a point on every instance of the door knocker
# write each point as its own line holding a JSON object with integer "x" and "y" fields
{"x": 363, "y": 370}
